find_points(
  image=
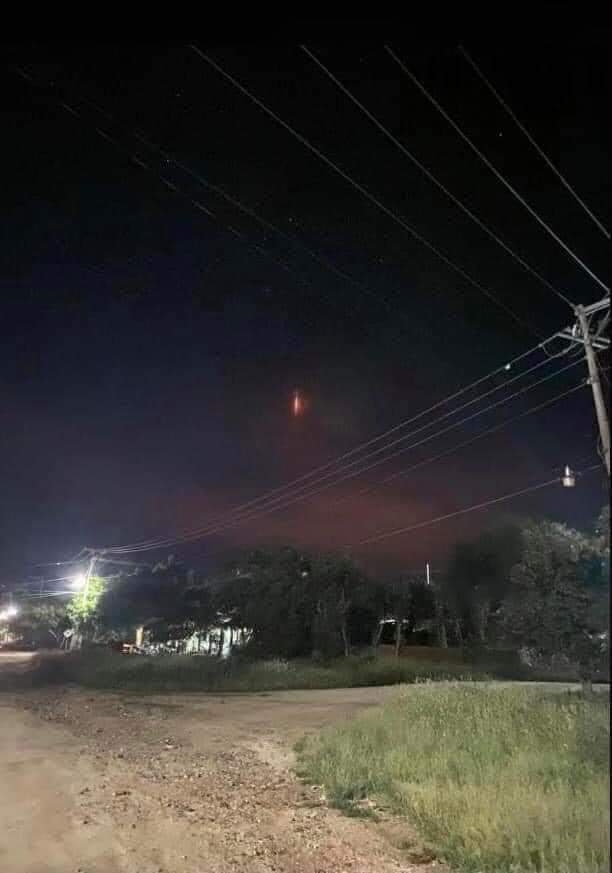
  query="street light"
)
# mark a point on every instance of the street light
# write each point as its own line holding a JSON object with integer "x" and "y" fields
{"x": 568, "y": 480}
{"x": 77, "y": 583}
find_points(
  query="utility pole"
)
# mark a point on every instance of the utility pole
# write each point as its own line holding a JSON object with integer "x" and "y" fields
{"x": 76, "y": 640}
{"x": 592, "y": 340}
{"x": 88, "y": 576}
{"x": 595, "y": 382}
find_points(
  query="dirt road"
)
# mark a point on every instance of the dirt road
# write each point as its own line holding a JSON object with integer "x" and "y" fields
{"x": 102, "y": 783}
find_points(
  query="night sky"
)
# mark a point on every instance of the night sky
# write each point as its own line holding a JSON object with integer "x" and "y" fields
{"x": 149, "y": 356}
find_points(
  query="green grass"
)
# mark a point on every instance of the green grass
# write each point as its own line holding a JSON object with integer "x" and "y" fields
{"x": 497, "y": 780}
{"x": 102, "y": 669}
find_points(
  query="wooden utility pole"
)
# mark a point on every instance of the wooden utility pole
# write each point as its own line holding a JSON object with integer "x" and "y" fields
{"x": 595, "y": 383}
{"x": 593, "y": 340}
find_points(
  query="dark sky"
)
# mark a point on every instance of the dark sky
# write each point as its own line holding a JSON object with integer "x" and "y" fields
{"x": 148, "y": 356}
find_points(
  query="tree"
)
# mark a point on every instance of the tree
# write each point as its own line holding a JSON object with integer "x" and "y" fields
{"x": 341, "y": 592}
{"x": 298, "y": 604}
{"x": 268, "y": 592}
{"x": 398, "y": 600}
{"x": 83, "y": 609}
{"x": 168, "y": 599}
{"x": 602, "y": 531}
{"x": 478, "y": 577}
{"x": 557, "y": 601}
{"x": 409, "y": 601}
{"x": 41, "y": 623}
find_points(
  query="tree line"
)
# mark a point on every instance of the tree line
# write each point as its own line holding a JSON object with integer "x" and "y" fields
{"x": 540, "y": 586}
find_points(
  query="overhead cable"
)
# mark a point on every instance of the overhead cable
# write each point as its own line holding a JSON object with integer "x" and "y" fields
{"x": 400, "y": 474}
{"x": 539, "y": 150}
{"x": 382, "y": 535}
{"x": 268, "y": 225}
{"x": 218, "y": 191}
{"x": 432, "y": 178}
{"x": 288, "y": 500}
{"x": 396, "y": 217}
{"x": 505, "y": 367}
{"x": 172, "y": 186}
{"x": 501, "y": 178}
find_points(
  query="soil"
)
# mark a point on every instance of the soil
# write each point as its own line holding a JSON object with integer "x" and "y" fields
{"x": 97, "y": 782}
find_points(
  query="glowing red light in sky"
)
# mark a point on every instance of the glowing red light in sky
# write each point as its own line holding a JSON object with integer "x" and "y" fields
{"x": 298, "y": 404}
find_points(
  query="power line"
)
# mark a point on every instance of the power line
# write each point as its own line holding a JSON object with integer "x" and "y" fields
{"x": 294, "y": 498}
{"x": 225, "y": 521}
{"x": 503, "y": 368}
{"x": 270, "y": 500}
{"x": 524, "y": 130}
{"x": 506, "y": 367}
{"x": 45, "y": 594}
{"x": 290, "y": 499}
{"x": 499, "y": 176}
{"x": 68, "y": 592}
{"x": 234, "y": 201}
{"x": 446, "y": 415}
{"x": 490, "y": 502}
{"x": 398, "y": 219}
{"x": 263, "y": 222}
{"x": 39, "y": 581}
{"x": 101, "y": 559}
{"x": 432, "y": 178}
{"x": 219, "y": 191}
{"x": 455, "y": 448}
{"x": 136, "y": 159}
{"x": 81, "y": 554}
{"x": 114, "y": 142}
{"x": 266, "y": 224}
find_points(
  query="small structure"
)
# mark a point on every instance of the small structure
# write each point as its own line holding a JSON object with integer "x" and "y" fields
{"x": 219, "y": 640}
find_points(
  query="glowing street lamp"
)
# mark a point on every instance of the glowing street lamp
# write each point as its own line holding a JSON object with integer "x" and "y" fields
{"x": 77, "y": 583}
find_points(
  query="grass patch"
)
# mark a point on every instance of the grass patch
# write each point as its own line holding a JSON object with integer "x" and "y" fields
{"x": 101, "y": 669}
{"x": 502, "y": 780}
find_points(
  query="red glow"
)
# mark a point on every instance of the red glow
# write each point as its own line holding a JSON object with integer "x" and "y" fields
{"x": 298, "y": 405}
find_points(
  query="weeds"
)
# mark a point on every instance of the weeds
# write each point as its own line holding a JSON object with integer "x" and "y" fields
{"x": 102, "y": 669}
{"x": 508, "y": 780}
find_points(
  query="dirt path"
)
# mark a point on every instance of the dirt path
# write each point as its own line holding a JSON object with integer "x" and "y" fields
{"x": 101, "y": 783}
{"x": 42, "y": 821}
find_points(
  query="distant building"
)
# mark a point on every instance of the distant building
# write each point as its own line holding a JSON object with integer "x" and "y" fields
{"x": 218, "y": 640}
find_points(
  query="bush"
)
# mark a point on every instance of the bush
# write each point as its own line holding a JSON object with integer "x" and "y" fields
{"x": 508, "y": 780}
{"x": 104, "y": 669}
